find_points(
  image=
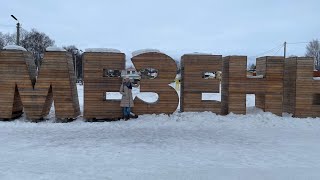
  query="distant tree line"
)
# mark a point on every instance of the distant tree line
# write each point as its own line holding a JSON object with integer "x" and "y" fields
{"x": 36, "y": 42}
{"x": 77, "y": 59}
{"x": 313, "y": 50}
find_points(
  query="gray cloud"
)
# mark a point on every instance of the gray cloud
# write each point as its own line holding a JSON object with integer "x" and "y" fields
{"x": 246, "y": 27}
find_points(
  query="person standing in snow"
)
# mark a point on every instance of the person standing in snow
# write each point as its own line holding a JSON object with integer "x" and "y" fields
{"x": 127, "y": 99}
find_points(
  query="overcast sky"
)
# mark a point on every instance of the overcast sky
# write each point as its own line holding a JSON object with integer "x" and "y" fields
{"x": 245, "y": 27}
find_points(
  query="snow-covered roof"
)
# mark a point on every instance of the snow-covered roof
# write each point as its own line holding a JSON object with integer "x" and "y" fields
{"x": 142, "y": 51}
{"x": 106, "y": 50}
{"x": 55, "y": 48}
{"x": 255, "y": 77}
{"x": 198, "y": 53}
{"x": 14, "y": 47}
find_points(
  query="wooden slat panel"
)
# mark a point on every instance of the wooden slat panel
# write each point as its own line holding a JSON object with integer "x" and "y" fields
{"x": 301, "y": 90}
{"x": 268, "y": 90}
{"x": 96, "y": 85}
{"x": 193, "y": 84}
{"x": 168, "y": 97}
{"x": 55, "y": 81}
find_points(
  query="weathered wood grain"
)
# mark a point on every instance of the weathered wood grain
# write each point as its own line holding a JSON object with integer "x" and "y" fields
{"x": 193, "y": 84}
{"x": 23, "y": 90}
{"x": 168, "y": 98}
{"x": 96, "y": 106}
{"x": 268, "y": 90}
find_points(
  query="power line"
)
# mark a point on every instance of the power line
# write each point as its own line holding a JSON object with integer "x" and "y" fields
{"x": 5, "y": 25}
{"x": 298, "y": 43}
{"x": 269, "y": 51}
{"x": 293, "y": 43}
{"x": 278, "y": 50}
{"x": 23, "y": 29}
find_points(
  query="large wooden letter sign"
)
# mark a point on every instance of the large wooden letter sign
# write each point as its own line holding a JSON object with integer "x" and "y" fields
{"x": 168, "y": 98}
{"x": 279, "y": 86}
{"x": 193, "y": 83}
{"x": 268, "y": 89}
{"x": 301, "y": 91}
{"x": 96, "y": 106}
{"x": 21, "y": 89}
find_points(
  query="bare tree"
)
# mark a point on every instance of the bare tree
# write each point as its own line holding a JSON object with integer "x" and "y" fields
{"x": 36, "y": 42}
{"x": 77, "y": 59}
{"x": 70, "y": 48}
{"x": 178, "y": 66}
{"x": 9, "y": 39}
{"x": 313, "y": 50}
{"x": 1, "y": 41}
{"x": 252, "y": 67}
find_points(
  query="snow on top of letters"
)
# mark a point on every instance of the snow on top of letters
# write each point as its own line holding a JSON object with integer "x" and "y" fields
{"x": 106, "y": 50}
{"x": 55, "y": 48}
{"x": 14, "y": 47}
{"x": 142, "y": 51}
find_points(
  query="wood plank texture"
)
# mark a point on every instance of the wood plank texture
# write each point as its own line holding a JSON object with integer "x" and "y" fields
{"x": 96, "y": 85}
{"x": 235, "y": 84}
{"x": 167, "y": 69}
{"x": 19, "y": 87}
{"x": 301, "y": 92}
{"x": 193, "y": 84}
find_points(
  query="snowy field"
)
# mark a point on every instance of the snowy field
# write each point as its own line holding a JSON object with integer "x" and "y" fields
{"x": 181, "y": 146}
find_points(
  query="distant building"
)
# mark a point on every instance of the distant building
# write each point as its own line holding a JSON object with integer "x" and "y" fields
{"x": 132, "y": 73}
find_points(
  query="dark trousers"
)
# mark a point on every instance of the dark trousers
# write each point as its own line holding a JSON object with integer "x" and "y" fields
{"x": 126, "y": 111}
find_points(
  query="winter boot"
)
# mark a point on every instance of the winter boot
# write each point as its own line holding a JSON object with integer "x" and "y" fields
{"x": 134, "y": 116}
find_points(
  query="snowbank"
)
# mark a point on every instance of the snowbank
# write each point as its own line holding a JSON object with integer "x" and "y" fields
{"x": 142, "y": 51}
{"x": 190, "y": 145}
{"x": 105, "y": 50}
{"x": 181, "y": 146}
{"x": 14, "y": 47}
{"x": 55, "y": 48}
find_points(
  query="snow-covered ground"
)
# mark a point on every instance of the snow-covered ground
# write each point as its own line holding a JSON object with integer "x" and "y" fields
{"x": 204, "y": 145}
